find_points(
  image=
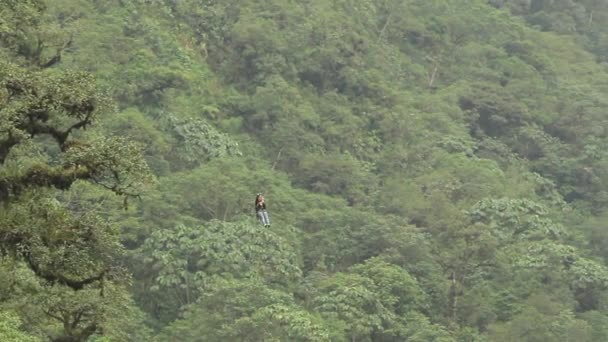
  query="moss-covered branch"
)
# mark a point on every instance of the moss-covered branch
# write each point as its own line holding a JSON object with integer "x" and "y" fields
{"x": 53, "y": 278}
{"x": 41, "y": 176}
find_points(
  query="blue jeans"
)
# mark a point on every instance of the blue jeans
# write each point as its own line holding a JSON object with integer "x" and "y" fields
{"x": 263, "y": 216}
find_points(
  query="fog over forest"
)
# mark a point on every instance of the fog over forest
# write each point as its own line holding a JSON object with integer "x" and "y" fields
{"x": 303, "y": 170}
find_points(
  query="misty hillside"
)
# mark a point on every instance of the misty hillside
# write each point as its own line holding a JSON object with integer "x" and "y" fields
{"x": 433, "y": 170}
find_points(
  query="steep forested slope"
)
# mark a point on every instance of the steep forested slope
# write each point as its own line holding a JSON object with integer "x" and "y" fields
{"x": 434, "y": 170}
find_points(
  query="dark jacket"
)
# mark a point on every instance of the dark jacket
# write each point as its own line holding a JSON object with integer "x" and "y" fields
{"x": 259, "y": 207}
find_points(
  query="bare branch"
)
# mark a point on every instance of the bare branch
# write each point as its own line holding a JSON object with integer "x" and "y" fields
{"x": 276, "y": 160}
{"x": 435, "y": 68}
{"x": 388, "y": 20}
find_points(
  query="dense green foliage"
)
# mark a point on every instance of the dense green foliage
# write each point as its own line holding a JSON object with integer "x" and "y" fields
{"x": 435, "y": 170}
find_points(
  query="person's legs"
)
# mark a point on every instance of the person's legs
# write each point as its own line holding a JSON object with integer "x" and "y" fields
{"x": 266, "y": 219}
{"x": 261, "y": 217}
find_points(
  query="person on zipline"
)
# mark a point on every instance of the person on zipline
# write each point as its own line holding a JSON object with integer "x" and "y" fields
{"x": 260, "y": 210}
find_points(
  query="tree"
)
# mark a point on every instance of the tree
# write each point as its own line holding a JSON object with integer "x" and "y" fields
{"x": 183, "y": 258}
{"x": 245, "y": 309}
{"x": 371, "y": 302}
{"x": 42, "y": 151}
{"x": 10, "y": 330}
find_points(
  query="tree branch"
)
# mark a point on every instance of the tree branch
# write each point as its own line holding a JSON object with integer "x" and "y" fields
{"x": 6, "y": 145}
{"x": 388, "y": 20}
{"x": 276, "y": 160}
{"x": 42, "y": 176}
{"x": 35, "y": 128}
{"x": 77, "y": 318}
{"x": 57, "y": 58}
{"x": 48, "y": 313}
{"x": 431, "y": 75}
{"x": 57, "y": 278}
{"x": 88, "y": 331}
{"x": 82, "y": 336}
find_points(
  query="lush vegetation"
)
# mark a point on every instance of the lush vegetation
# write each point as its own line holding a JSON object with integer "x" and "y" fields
{"x": 435, "y": 170}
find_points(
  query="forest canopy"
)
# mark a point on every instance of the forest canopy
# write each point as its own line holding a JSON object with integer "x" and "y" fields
{"x": 434, "y": 170}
